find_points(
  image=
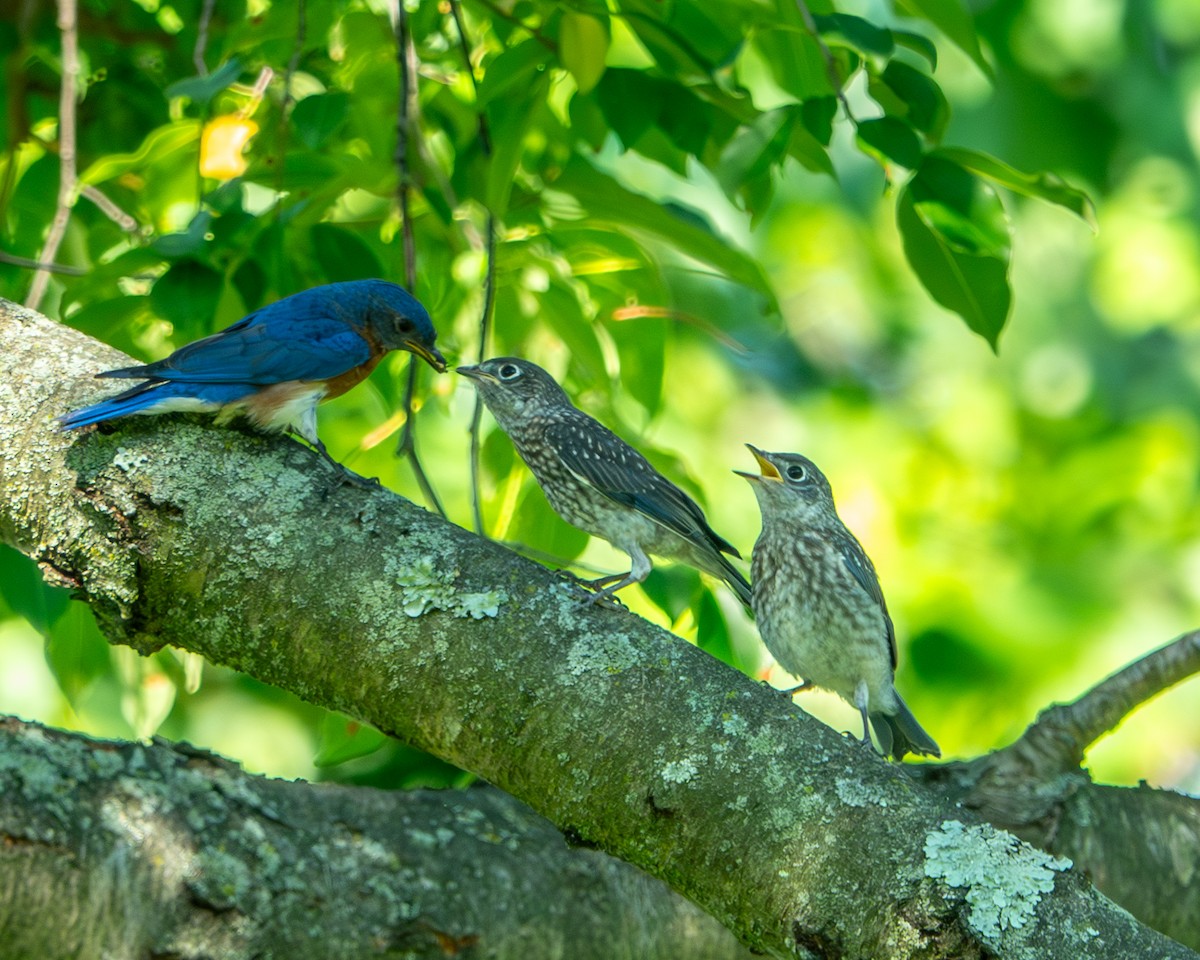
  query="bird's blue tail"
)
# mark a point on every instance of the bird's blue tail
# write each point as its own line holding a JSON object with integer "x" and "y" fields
{"x": 157, "y": 396}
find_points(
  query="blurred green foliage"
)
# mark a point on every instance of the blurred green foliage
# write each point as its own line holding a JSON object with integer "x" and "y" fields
{"x": 717, "y": 223}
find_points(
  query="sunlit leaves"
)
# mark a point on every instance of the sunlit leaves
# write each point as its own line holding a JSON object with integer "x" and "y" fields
{"x": 201, "y": 90}
{"x": 582, "y": 46}
{"x": 1044, "y": 186}
{"x": 954, "y": 20}
{"x": 956, "y": 238}
{"x": 889, "y": 139}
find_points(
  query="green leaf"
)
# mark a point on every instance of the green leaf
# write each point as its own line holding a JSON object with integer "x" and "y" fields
{"x": 76, "y": 651}
{"x": 187, "y": 243}
{"x": 186, "y": 296}
{"x": 855, "y": 32}
{"x": 157, "y": 146}
{"x": 319, "y": 117}
{"x": 755, "y": 149}
{"x": 954, "y": 20}
{"x": 795, "y": 59}
{"x": 1044, "y": 186}
{"x": 642, "y": 346}
{"x": 887, "y": 138}
{"x": 817, "y": 115}
{"x": 510, "y": 119}
{"x": 917, "y": 98}
{"x": 512, "y": 72}
{"x": 919, "y": 44}
{"x": 964, "y": 209}
{"x": 582, "y": 46}
{"x": 943, "y": 213}
{"x": 609, "y": 201}
{"x": 26, "y": 593}
{"x": 342, "y": 254}
{"x": 343, "y": 738}
{"x": 200, "y": 90}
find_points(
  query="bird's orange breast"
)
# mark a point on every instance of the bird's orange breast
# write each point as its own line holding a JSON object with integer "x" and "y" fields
{"x": 336, "y": 386}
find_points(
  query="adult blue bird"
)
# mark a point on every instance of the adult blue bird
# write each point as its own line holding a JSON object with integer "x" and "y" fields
{"x": 275, "y": 365}
{"x": 818, "y": 603}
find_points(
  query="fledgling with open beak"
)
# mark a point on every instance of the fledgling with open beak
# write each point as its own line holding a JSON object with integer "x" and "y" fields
{"x": 818, "y": 603}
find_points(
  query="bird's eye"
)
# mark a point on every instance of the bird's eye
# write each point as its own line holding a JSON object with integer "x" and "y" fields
{"x": 796, "y": 473}
{"x": 509, "y": 371}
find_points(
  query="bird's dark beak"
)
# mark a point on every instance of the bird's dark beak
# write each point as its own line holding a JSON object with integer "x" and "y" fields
{"x": 476, "y": 373}
{"x": 769, "y": 470}
{"x": 429, "y": 354}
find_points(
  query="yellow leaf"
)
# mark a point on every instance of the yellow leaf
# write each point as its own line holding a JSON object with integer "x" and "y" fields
{"x": 221, "y": 146}
{"x": 582, "y": 47}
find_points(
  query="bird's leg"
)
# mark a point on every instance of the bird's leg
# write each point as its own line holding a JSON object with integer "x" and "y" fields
{"x": 306, "y": 429}
{"x": 861, "y": 699}
{"x": 639, "y": 570}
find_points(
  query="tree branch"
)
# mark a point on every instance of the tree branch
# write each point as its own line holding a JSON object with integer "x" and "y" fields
{"x": 170, "y": 851}
{"x": 1056, "y": 742}
{"x": 802, "y": 842}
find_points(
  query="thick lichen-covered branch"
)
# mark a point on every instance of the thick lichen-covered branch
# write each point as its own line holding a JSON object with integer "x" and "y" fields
{"x": 226, "y": 543}
{"x": 171, "y": 852}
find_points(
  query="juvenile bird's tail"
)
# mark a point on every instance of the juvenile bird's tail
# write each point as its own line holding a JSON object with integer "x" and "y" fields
{"x": 900, "y": 734}
{"x": 732, "y": 576}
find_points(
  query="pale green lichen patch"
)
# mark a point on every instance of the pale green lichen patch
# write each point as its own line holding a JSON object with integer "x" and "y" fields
{"x": 420, "y": 588}
{"x": 855, "y": 793}
{"x": 1003, "y": 877}
{"x": 680, "y": 771}
{"x": 607, "y": 653}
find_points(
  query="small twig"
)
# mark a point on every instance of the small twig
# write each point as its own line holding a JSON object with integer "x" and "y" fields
{"x": 109, "y": 208}
{"x": 206, "y": 13}
{"x": 60, "y": 268}
{"x": 406, "y": 57}
{"x": 294, "y": 61}
{"x": 1057, "y": 740}
{"x": 68, "y": 27}
{"x": 827, "y": 55}
{"x": 489, "y": 286}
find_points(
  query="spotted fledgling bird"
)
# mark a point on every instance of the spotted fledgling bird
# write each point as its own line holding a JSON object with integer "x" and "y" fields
{"x": 598, "y": 482}
{"x": 275, "y": 365}
{"x": 818, "y": 604}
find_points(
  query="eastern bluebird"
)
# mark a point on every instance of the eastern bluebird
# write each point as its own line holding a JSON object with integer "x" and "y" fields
{"x": 275, "y": 365}
{"x": 818, "y": 604}
{"x": 598, "y": 482}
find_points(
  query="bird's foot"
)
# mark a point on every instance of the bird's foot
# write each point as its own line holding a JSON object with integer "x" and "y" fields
{"x": 585, "y": 593}
{"x": 792, "y": 691}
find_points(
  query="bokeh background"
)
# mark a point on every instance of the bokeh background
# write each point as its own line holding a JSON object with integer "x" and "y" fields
{"x": 1032, "y": 513}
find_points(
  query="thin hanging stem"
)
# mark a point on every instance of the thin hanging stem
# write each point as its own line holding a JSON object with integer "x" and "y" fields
{"x": 489, "y": 284}
{"x": 406, "y": 63}
{"x": 68, "y": 25}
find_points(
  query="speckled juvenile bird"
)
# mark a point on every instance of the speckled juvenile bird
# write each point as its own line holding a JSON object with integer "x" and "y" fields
{"x": 598, "y": 482}
{"x": 818, "y": 604}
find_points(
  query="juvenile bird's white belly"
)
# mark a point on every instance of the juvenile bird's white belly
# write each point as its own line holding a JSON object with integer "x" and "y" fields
{"x": 814, "y": 634}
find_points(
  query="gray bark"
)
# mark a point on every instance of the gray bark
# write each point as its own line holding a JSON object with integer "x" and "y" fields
{"x": 122, "y": 851}
{"x": 221, "y": 542}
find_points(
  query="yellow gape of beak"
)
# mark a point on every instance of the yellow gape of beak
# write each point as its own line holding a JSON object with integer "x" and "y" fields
{"x": 769, "y": 470}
